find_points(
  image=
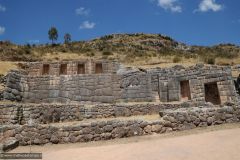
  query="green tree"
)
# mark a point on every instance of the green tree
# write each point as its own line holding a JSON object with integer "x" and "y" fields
{"x": 67, "y": 38}
{"x": 53, "y": 34}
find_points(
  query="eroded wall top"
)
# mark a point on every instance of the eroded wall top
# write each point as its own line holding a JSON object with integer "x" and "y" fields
{"x": 71, "y": 67}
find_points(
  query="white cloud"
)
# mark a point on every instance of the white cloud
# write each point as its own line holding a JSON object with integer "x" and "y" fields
{"x": 82, "y": 11}
{"x": 87, "y": 25}
{"x": 170, "y": 5}
{"x": 2, "y": 30}
{"x": 207, "y": 5}
{"x": 2, "y": 8}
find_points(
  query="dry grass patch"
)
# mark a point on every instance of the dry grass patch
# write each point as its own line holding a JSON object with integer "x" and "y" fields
{"x": 227, "y": 61}
{"x": 60, "y": 56}
{"x": 162, "y": 62}
{"x": 1, "y": 87}
{"x": 7, "y": 66}
{"x": 235, "y": 74}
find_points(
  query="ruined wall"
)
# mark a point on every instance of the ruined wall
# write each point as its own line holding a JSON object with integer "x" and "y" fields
{"x": 75, "y": 88}
{"x": 10, "y": 114}
{"x": 7, "y": 138}
{"x": 3, "y": 81}
{"x": 49, "y": 113}
{"x": 235, "y": 71}
{"x": 124, "y": 85}
{"x": 136, "y": 86}
{"x": 106, "y": 88}
{"x": 36, "y": 68}
{"x": 181, "y": 119}
{"x": 6, "y": 132}
{"x": 167, "y": 82}
{"x": 15, "y": 86}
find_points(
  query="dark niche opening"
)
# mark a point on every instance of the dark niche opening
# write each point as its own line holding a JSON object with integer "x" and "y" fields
{"x": 212, "y": 93}
{"x": 45, "y": 69}
{"x": 98, "y": 68}
{"x": 63, "y": 69}
{"x": 185, "y": 90}
{"x": 81, "y": 68}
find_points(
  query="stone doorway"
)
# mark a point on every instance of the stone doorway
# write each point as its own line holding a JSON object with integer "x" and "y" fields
{"x": 63, "y": 69}
{"x": 81, "y": 69}
{"x": 45, "y": 70}
{"x": 98, "y": 68}
{"x": 212, "y": 93}
{"x": 185, "y": 90}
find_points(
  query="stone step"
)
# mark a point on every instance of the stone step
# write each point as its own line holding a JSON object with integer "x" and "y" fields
{"x": 8, "y": 144}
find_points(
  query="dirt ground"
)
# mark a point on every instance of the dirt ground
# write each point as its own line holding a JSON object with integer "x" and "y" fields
{"x": 211, "y": 143}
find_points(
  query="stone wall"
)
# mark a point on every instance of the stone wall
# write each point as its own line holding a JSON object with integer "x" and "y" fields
{"x": 123, "y": 85}
{"x": 7, "y": 138}
{"x": 50, "y": 113}
{"x": 36, "y": 68}
{"x": 105, "y": 88}
{"x": 167, "y": 82}
{"x": 174, "y": 120}
{"x": 6, "y": 132}
{"x": 136, "y": 86}
{"x": 3, "y": 81}
{"x": 15, "y": 86}
{"x": 235, "y": 71}
{"x": 63, "y": 89}
{"x": 10, "y": 114}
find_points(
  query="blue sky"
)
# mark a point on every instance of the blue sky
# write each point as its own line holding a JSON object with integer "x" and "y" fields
{"x": 195, "y": 22}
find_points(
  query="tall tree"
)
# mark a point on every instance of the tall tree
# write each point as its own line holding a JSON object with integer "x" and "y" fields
{"x": 53, "y": 34}
{"x": 67, "y": 38}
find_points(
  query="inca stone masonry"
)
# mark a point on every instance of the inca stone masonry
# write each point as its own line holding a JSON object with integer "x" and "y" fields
{"x": 109, "y": 82}
{"x": 87, "y": 100}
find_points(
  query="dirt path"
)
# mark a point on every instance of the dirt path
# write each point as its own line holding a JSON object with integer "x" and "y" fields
{"x": 213, "y": 143}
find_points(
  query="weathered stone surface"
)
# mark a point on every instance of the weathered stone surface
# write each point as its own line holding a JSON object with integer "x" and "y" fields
{"x": 116, "y": 83}
{"x": 54, "y": 139}
{"x": 134, "y": 130}
{"x": 119, "y": 132}
{"x": 56, "y": 113}
{"x": 148, "y": 129}
{"x": 174, "y": 119}
{"x": 156, "y": 128}
{"x": 107, "y": 128}
{"x": 9, "y": 144}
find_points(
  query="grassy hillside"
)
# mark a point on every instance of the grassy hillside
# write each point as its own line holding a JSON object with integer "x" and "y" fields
{"x": 130, "y": 49}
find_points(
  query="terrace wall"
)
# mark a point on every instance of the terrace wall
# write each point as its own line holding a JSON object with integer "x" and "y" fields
{"x": 49, "y": 113}
{"x": 181, "y": 119}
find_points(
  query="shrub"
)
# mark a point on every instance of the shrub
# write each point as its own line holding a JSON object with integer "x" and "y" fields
{"x": 91, "y": 54}
{"x": 107, "y": 37}
{"x": 27, "y": 51}
{"x": 107, "y": 53}
{"x": 154, "y": 54}
{"x": 28, "y": 45}
{"x": 63, "y": 50}
{"x": 209, "y": 60}
{"x": 138, "y": 53}
{"x": 176, "y": 59}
